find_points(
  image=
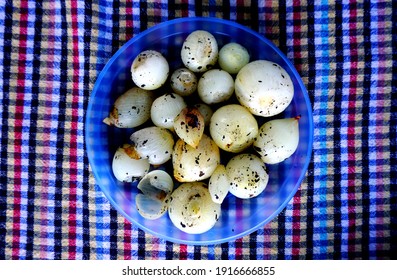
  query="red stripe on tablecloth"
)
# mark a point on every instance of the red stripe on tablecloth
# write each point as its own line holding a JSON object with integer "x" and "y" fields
{"x": 240, "y": 11}
{"x": 19, "y": 106}
{"x": 351, "y": 156}
{"x": 239, "y": 249}
{"x": 129, "y": 23}
{"x": 73, "y": 134}
{"x": 185, "y": 10}
{"x": 127, "y": 240}
{"x": 182, "y": 252}
{"x": 296, "y": 228}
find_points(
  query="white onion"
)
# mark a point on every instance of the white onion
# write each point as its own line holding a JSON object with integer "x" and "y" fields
{"x": 264, "y": 87}
{"x": 277, "y": 140}
{"x": 131, "y": 109}
{"x": 219, "y": 184}
{"x": 127, "y": 165}
{"x": 183, "y": 82}
{"x": 195, "y": 164}
{"x": 232, "y": 57}
{"x": 199, "y": 51}
{"x": 149, "y": 70}
{"x": 191, "y": 208}
{"x": 165, "y": 108}
{"x": 233, "y": 128}
{"x": 247, "y": 174}
{"x": 215, "y": 86}
{"x": 154, "y": 143}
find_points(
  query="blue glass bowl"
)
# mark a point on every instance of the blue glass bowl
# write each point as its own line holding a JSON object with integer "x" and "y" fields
{"x": 239, "y": 217}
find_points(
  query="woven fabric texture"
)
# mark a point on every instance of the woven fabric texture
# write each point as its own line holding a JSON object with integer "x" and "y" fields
{"x": 51, "y": 53}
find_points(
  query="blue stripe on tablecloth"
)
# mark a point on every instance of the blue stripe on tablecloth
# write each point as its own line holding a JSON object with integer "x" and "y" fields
{"x": 320, "y": 180}
{"x": 31, "y": 103}
{"x": 311, "y": 86}
{"x": 102, "y": 235}
{"x": 103, "y": 54}
{"x": 343, "y": 97}
{"x": 136, "y": 17}
{"x": 340, "y": 18}
{"x": 369, "y": 75}
{"x": 104, "y": 34}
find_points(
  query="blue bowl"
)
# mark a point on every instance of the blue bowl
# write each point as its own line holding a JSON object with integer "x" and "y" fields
{"x": 239, "y": 217}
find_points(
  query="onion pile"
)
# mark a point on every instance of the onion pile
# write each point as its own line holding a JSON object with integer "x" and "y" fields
{"x": 189, "y": 119}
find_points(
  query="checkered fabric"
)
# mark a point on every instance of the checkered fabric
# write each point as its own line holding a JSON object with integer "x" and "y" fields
{"x": 51, "y": 53}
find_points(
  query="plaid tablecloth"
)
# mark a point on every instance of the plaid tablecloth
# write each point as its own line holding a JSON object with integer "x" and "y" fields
{"x": 50, "y": 55}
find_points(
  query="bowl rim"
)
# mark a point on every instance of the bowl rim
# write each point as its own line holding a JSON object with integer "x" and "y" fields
{"x": 304, "y": 169}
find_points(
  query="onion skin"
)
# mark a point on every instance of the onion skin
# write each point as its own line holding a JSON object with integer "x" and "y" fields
{"x": 156, "y": 188}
